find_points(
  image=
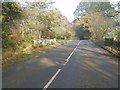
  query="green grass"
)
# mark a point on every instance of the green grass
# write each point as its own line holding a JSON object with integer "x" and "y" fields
{"x": 28, "y": 54}
{"x": 21, "y": 57}
{"x": 62, "y": 41}
{"x": 112, "y": 49}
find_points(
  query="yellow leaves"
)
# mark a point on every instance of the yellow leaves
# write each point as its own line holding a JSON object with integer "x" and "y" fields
{"x": 97, "y": 23}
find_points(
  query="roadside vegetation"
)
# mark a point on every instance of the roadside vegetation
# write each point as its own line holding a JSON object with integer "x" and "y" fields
{"x": 30, "y": 53}
{"x": 29, "y": 27}
{"x": 98, "y": 21}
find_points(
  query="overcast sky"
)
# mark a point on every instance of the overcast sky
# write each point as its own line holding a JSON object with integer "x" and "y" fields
{"x": 67, "y": 7}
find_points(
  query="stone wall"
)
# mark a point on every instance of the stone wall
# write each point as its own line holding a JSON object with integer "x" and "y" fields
{"x": 45, "y": 42}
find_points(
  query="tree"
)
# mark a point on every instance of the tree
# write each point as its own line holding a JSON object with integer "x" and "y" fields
{"x": 24, "y": 24}
{"x": 98, "y": 16}
{"x": 11, "y": 11}
{"x": 81, "y": 31}
{"x": 64, "y": 29}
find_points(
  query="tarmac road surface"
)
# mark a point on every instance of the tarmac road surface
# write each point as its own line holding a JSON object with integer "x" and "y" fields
{"x": 77, "y": 64}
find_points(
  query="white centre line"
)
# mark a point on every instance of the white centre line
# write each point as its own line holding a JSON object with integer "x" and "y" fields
{"x": 51, "y": 80}
{"x": 75, "y": 49}
{"x": 71, "y": 54}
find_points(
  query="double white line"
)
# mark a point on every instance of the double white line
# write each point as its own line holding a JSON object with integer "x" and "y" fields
{"x": 51, "y": 80}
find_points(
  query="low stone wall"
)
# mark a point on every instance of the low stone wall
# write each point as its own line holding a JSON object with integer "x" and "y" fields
{"x": 47, "y": 42}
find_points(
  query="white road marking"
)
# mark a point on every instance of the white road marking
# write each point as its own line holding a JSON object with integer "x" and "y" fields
{"x": 51, "y": 80}
{"x": 77, "y": 44}
{"x": 75, "y": 49}
{"x": 70, "y": 56}
{"x": 72, "y": 52}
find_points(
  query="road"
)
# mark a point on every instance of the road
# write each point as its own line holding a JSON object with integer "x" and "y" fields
{"x": 77, "y": 64}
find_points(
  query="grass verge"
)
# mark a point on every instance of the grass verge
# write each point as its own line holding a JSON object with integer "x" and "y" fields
{"x": 28, "y": 54}
{"x": 112, "y": 49}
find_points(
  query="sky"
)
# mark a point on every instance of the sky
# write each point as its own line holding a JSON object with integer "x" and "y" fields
{"x": 67, "y": 7}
